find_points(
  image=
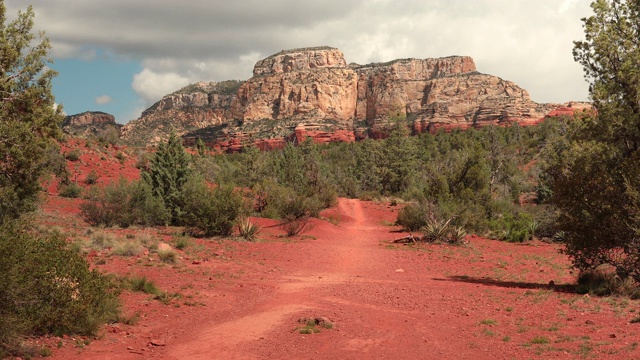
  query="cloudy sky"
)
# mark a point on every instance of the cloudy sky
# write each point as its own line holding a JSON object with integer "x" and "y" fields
{"x": 121, "y": 56}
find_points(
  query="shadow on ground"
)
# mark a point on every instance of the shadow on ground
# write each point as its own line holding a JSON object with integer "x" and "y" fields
{"x": 561, "y": 288}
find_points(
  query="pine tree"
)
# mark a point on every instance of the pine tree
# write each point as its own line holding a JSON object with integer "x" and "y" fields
{"x": 168, "y": 172}
{"x": 28, "y": 116}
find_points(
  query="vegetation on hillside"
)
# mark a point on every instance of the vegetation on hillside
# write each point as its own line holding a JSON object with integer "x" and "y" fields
{"x": 45, "y": 286}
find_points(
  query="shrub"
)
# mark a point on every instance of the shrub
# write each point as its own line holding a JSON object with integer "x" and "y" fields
{"x": 124, "y": 203}
{"x": 91, "y": 178}
{"x": 110, "y": 135}
{"x": 128, "y": 248}
{"x": 143, "y": 160}
{"x": 47, "y": 288}
{"x": 142, "y": 284}
{"x": 209, "y": 212}
{"x": 168, "y": 255}
{"x": 515, "y": 228}
{"x": 297, "y": 226}
{"x": 71, "y": 191}
{"x": 412, "y": 217}
{"x": 101, "y": 240}
{"x": 120, "y": 156}
{"x": 181, "y": 242}
{"x": 72, "y": 155}
{"x": 604, "y": 283}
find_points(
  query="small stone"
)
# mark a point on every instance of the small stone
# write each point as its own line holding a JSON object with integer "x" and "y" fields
{"x": 157, "y": 342}
{"x": 590, "y": 322}
{"x": 163, "y": 246}
{"x": 130, "y": 348}
{"x": 196, "y": 262}
{"x": 613, "y": 336}
{"x": 400, "y": 270}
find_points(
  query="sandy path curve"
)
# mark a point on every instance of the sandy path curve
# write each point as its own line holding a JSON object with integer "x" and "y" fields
{"x": 351, "y": 246}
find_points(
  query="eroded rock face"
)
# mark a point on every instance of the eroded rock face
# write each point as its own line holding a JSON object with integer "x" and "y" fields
{"x": 312, "y": 92}
{"x": 90, "y": 123}
{"x": 300, "y": 60}
{"x": 197, "y": 106}
{"x": 89, "y": 118}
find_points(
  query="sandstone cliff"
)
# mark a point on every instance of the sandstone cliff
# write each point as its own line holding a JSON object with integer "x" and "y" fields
{"x": 313, "y": 92}
{"x": 90, "y": 123}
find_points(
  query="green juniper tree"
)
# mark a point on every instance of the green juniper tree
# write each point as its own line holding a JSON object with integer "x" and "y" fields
{"x": 45, "y": 286}
{"x": 28, "y": 116}
{"x": 168, "y": 172}
{"x": 594, "y": 173}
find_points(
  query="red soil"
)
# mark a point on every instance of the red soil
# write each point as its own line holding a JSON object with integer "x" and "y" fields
{"x": 242, "y": 300}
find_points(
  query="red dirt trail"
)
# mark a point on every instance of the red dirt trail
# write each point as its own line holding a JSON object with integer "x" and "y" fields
{"x": 484, "y": 300}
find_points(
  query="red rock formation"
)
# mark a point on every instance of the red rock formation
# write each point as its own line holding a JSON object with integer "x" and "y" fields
{"x": 88, "y": 118}
{"x": 90, "y": 123}
{"x": 313, "y": 93}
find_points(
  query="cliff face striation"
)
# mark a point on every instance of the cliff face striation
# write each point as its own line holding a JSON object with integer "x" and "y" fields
{"x": 313, "y": 92}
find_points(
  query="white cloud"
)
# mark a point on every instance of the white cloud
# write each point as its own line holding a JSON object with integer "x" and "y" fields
{"x": 526, "y": 41}
{"x": 56, "y": 106}
{"x": 103, "y": 99}
{"x": 151, "y": 85}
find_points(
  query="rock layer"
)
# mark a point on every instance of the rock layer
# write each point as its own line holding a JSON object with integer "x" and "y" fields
{"x": 90, "y": 123}
{"x": 313, "y": 92}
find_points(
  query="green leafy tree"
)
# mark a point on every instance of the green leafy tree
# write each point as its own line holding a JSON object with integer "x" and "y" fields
{"x": 28, "y": 116}
{"x": 593, "y": 173}
{"x": 45, "y": 287}
{"x": 168, "y": 172}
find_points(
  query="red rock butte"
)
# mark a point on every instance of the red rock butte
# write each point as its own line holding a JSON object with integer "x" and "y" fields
{"x": 313, "y": 92}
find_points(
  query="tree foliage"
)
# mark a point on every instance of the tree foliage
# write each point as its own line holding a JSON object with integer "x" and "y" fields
{"x": 45, "y": 287}
{"x": 28, "y": 117}
{"x": 593, "y": 172}
{"x": 169, "y": 171}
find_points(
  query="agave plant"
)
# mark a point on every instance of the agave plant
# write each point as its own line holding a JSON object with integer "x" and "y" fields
{"x": 248, "y": 230}
{"x": 436, "y": 230}
{"x": 457, "y": 235}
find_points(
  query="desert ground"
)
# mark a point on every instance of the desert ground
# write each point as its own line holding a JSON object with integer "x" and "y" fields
{"x": 342, "y": 290}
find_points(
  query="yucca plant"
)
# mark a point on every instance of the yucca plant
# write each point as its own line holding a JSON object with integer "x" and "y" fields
{"x": 248, "y": 230}
{"x": 457, "y": 235}
{"x": 436, "y": 230}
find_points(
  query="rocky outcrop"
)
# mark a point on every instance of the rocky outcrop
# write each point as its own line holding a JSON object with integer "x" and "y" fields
{"x": 312, "y": 92}
{"x": 300, "y": 60}
{"x": 90, "y": 123}
{"x": 194, "y": 107}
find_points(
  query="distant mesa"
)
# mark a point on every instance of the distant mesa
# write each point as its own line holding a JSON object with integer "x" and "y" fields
{"x": 90, "y": 123}
{"x": 313, "y": 92}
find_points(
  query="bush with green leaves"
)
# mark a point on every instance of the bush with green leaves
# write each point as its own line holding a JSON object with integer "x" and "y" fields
{"x": 92, "y": 178}
{"x": 71, "y": 191}
{"x": 48, "y": 288}
{"x": 514, "y": 228}
{"x": 208, "y": 211}
{"x": 124, "y": 203}
{"x": 72, "y": 155}
{"x": 413, "y": 216}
